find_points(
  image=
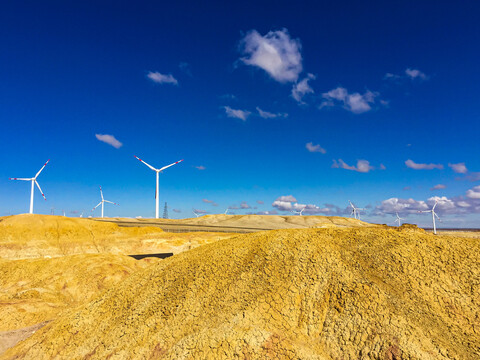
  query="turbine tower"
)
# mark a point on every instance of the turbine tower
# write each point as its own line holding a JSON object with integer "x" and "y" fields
{"x": 399, "y": 220}
{"x": 226, "y": 211}
{"x": 355, "y": 211}
{"x": 34, "y": 181}
{"x": 103, "y": 202}
{"x": 158, "y": 171}
{"x": 434, "y": 214}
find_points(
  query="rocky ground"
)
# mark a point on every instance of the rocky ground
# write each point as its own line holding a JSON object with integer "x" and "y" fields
{"x": 331, "y": 293}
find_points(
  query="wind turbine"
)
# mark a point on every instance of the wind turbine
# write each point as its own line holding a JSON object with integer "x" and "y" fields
{"x": 34, "y": 181}
{"x": 434, "y": 214}
{"x": 103, "y": 201}
{"x": 355, "y": 211}
{"x": 299, "y": 212}
{"x": 158, "y": 171}
{"x": 399, "y": 220}
{"x": 226, "y": 211}
{"x": 195, "y": 212}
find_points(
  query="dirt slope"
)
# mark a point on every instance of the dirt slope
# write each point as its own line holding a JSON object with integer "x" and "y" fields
{"x": 373, "y": 293}
{"x": 33, "y": 236}
{"x": 33, "y": 291}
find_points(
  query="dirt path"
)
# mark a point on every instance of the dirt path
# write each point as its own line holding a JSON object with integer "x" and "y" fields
{"x": 11, "y": 338}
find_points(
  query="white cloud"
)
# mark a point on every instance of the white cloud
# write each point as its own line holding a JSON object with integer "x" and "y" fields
{"x": 355, "y": 102}
{"x": 300, "y": 89}
{"x": 411, "y": 164}
{"x": 269, "y": 115}
{"x": 177, "y": 210}
{"x": 415, "y": 73}
{"x": 287, "y": 198}
{"x": 161, "y": 78}
{"x": 438, "y": 187}
{"x": 200, "y": 167}
{"x": 459, "y": 168}
{"x": 199, "y": 211}
{"x": 276, "y": 53}
{"x": 402, "y": 206}
{"x": 363, "y": 166}
{"x": 315, "y": 148}
{"x": 208, "y": 201}
{"x": 273, "y": 212}
{"x": 382, "y": 167}
{"x": 238, "y": 114}
{"x": 282, "y": 205}
{"x": 110, "y": 140}
{"x": 474, "y": 193}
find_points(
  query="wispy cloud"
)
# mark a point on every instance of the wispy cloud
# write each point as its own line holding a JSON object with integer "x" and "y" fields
{"x": 260, "y": 202}
{"x": 269, "y": 115}
{"x": 276, "y": 53}
{"x": 244, "y": 205}
{"x": 354, "y": 102}
{"x": 200, "y": 167}
{"x": 300, "y": 89}
{"x": 186, "y": 68}
{"x": 413, "y": 165}
{"x": 238, "y": 114}
{"x": 415, "y": 74}
{"x": 459, "y": 168}
{"x": 109, "y": 139}
{"x": 363, "y": 166}
{"x": 438, "y": 187}
{"x": 409, "y": 73}
{"x": 315, "y": 148}
{"x": 177, "y": 210}
{"x": 161, "y": 78}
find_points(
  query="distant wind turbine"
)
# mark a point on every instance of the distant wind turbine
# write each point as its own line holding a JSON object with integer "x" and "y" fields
{"x": 399, "y": 220}
{"x": 34, "y": 181}
{"x": 298, "y": 212}
{"x": 434, "y": 214}
{"x": 158, "y": 171}
{"x": 103, "y": 201}
{"x": 355, "y": 211}
{"x": 226, "y": 211}
{"x": 196, "y": 213}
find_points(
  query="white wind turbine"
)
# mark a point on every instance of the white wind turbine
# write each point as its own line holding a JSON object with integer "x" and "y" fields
{"x": 399, "y": 219}
{"x": 226, "y": 211}
{"x": 434, "y": 214}
{"x": 355, "y": 211}
{"x": 196, "y": 213}
{"x": 158, "y": 171}
{"x": 103, "y": 202}
{"x": 299, "y": 212}
{"x": 34, "y": 181}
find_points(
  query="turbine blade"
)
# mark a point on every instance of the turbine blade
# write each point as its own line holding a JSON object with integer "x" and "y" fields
{"x": 433, "y": 208}
{"x": 175, "y": 163}
{"x": 39, "y": 188}
{"x": 39, "y": 171}
{"x": 24, "y": 179}
{"x": 110, "y": 202}
{"x": 101, "y": 192}
{"x": 150, "y": 166}
{"x": 436, "y": 216}
{"x": 100, "y": 203}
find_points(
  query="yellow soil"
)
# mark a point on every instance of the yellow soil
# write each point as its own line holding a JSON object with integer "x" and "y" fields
{"x": 36, "y": 290}
{"x": 34, "y": 236}
{"x": 362, "y": 293}
{"x": 266, "y": 221}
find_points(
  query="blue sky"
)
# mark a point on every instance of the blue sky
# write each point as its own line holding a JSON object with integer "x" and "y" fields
{"x": 272, "y": 105}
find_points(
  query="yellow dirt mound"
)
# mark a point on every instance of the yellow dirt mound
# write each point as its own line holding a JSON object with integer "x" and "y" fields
{"x": 373, "y": 293}
{"x": 34, "y": 236}
{"x": 273, "y": 221}
{"x": 33, "y": 291}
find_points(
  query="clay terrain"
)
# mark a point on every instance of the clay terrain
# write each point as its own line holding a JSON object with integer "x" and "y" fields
{"x": 315, "y": 288}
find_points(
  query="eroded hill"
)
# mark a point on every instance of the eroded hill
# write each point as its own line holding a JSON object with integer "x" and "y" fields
{"x": 378, "y": 293}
